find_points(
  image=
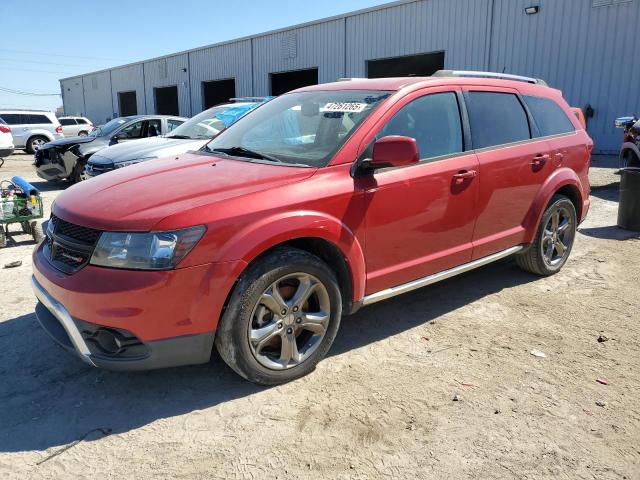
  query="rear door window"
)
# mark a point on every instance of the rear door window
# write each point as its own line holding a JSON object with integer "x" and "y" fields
{"x": 496, "y": 119}
{"x": 548, "y": 116}
{"x": 434, "y": 122}
{"x": 67, "y": 121}
{"x": 81, "y": 121}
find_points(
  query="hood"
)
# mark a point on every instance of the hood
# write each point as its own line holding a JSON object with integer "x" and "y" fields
{"x": 145, "y": 148}
{"x": 136, "y": 198}
{"x": 67, "y": 141}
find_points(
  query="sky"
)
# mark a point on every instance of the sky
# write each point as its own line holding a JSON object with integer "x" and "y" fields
{"x": 42, "y": 41}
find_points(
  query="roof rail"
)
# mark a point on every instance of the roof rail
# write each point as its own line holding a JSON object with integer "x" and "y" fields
{"x": 477, "y": 74}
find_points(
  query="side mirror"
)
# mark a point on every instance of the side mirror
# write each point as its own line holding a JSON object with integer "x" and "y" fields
{"x": 394, "y": 151}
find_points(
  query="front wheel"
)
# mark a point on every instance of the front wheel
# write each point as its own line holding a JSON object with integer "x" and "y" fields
{"x": 552, "y": 245}
{"x": 282, "y": 317}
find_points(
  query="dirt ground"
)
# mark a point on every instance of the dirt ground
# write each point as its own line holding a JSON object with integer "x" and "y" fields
{"x": 381, "y": 405}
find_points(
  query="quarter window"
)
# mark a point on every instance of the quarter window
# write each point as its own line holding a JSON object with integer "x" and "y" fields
{"x": 434, "y": 122}
{"x": 496, "y": 119}
{"x": 11, "y": 118}
{"x": 549, "y": 117}
{"x": 35, "y": 119}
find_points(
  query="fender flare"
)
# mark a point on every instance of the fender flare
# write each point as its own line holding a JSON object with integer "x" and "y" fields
{"x": 560, "y": 178}
{"x": 256, "y": 238}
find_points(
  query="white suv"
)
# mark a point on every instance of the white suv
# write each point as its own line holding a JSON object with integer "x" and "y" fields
{"x": 6, "y": 141}
{"x": 32, "y": 128}
{"x": 75, "y": 126}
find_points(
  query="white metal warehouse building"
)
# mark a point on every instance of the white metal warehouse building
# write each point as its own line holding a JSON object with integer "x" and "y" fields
{"x": 586, "y": 48}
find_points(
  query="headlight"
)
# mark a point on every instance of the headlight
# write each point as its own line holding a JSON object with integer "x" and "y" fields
{"x": 145, "y": 251}
{"x": 132, "y": 162}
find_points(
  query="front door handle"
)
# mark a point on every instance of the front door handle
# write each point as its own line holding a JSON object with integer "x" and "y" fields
{"x": 463, "y": 175}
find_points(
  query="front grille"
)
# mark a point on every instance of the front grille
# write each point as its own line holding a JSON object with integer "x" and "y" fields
{"x": 69, "y": 247}
{"x": 76, "y": 232}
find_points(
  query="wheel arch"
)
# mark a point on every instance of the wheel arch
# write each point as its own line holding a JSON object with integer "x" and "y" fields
{"x": 564, "y": 182}
{"x": 629, "y": 147}
{"x": 314, "y": 232}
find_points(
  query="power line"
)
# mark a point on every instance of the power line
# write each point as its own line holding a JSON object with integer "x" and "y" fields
{"x": 36, "y": 71}
{"x": 22, "y": 92}
{"x": 31, "y": 52}
{"x": 50, "y": 63}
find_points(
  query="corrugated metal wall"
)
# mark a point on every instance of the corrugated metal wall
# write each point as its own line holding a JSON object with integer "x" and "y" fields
{"x": 128, "y": 79}
{"x": 587, "y": 52}
{"x": 459, "y": 27}
{"x": 97, "y": 97}
{"x": 231, "y": 60}
{"x": 72, "y": 96}
{"x": 320, "y": 45}
{"x": 166, "y": 72}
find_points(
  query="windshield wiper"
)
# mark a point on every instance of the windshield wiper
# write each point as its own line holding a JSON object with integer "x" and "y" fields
{"x": 245, "y": 152}
{"x": 180, "y": 137}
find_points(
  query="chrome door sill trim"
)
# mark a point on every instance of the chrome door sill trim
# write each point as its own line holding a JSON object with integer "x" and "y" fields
{"x": 437, "y": 277}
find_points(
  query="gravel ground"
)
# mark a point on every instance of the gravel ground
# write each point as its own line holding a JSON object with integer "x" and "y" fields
{"x": 381, "y": 405}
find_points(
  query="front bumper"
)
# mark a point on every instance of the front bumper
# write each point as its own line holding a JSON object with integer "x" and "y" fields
{"x": 79, "y": 337}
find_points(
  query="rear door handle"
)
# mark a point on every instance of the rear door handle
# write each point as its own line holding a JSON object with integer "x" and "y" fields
{"x": 463, "y": 175}
{"x": 540, "y": 160}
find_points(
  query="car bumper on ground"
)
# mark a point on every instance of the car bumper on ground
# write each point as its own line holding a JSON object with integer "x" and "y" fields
{"x": 125, "y": 320}
{"x": 6, "y": 151}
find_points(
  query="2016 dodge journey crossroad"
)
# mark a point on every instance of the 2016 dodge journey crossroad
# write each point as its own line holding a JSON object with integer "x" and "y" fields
{"x": 324, "y": 200}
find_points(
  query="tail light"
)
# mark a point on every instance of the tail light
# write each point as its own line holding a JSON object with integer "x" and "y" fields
{"x": 4, "y": 129}
{"x": 59, "y": 129}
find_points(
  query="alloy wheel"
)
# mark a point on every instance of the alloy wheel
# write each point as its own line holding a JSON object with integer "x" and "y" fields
{"x": 557, "y": 236}
{"x": 289, "y": 321}
{"x": 37, "y": 143}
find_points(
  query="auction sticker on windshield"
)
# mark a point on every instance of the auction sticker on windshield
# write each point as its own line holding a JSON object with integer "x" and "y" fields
{"x": 347, "y": 107}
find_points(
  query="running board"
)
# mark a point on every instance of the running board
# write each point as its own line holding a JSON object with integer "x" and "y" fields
{"x": 437, "y": 277}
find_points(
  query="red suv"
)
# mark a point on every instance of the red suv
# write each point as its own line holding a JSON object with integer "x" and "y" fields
{"x": 319, "y": 202}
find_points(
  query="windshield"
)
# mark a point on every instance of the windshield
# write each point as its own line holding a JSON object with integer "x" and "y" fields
{"x": 107, "y": 128}
{"x": 211, "y": 122}
{"x": 304, "y": 128}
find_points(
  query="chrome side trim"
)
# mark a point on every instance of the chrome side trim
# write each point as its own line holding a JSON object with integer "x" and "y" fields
{"x": 63, "y": 316}
{"x": 437, "y": 277}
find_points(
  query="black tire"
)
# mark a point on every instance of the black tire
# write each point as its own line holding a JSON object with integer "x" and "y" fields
{"x": 83, "y": 134}
{"x": 3, "y": 237}
{"x": 26, "y": 227}
{"x": 77, "y": 172}
{"x": 534, "y": 259}
{"x": 31, "y": 144}
{"x": 232, "y": 336}
{"x": 37, "y": 231}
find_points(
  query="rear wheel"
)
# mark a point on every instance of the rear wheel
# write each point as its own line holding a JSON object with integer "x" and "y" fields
{"x": 281, "y": 319}
{"x": 83, "y": 134}
{"x": 552, "y": 245}
{"x": 35, "y": 143}
{"x": 3, "y": 237}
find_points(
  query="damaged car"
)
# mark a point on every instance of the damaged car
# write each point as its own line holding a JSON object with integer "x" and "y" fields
{"x": 67, "y": 158}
